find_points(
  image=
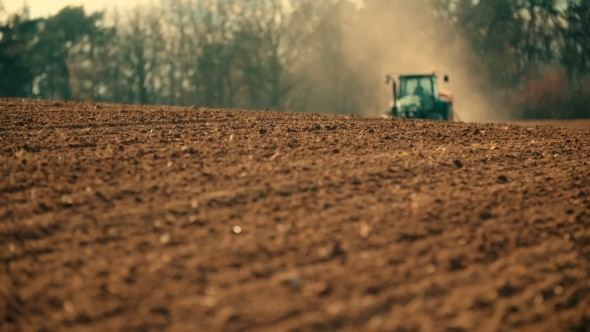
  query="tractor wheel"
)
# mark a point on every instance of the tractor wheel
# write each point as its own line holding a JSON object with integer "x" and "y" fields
{"x": 435, "y": 116}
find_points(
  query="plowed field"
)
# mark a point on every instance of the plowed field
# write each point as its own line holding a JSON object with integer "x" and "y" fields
{"x": 145, "y": 218}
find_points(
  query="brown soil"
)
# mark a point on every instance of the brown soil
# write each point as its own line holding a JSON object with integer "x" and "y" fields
{"x": 579, "y": 123}
{"x": 131, "y": 218}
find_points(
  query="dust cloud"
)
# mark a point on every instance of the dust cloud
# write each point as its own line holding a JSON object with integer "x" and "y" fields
{"x": 393, "y": 37}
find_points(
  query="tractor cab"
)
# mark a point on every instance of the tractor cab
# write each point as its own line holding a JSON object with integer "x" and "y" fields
{"x": 421, "y": 86}
{"x": 418, "y": 96}
{"x": 418, "y": 85}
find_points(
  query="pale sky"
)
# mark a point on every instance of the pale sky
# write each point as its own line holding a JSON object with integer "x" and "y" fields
{"x": 45, "y": 8}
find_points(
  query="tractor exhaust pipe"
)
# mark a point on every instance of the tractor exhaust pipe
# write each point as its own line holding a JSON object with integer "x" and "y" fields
{"x": 394, "y": 93}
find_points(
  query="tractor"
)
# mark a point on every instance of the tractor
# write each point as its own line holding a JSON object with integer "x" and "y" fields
{"x": 418, "y": 97}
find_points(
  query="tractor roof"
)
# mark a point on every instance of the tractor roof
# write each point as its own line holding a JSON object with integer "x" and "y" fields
{"x": 417, "y": 75}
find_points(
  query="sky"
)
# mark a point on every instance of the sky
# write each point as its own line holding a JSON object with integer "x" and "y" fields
{"x": 44, "y": 8}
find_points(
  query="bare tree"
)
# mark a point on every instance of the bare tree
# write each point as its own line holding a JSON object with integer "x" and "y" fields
{"x": 141, "y": 44}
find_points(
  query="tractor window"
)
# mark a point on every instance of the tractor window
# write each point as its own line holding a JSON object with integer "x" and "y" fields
{"x": 417, "y": 85}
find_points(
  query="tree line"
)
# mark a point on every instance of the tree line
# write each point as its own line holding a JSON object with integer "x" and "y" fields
{"x": 520, "y": 58}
